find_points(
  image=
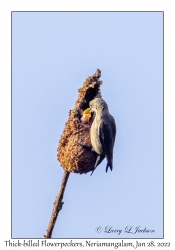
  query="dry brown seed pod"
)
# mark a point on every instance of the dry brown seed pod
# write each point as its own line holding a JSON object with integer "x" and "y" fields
{"x": 73, "y": 157}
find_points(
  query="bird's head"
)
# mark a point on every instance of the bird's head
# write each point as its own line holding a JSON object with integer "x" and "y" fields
{"x": 97, "y": 105}
{"x": 86, "y": 116}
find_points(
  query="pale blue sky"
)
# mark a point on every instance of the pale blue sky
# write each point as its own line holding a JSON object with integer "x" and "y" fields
{"x": 52, "y": 54}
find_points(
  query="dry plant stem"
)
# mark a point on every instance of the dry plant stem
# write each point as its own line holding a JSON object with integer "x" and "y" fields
{"x": 57, "y": 206}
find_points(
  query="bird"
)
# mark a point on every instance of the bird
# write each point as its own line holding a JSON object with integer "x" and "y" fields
{"x": 102, "y": 132}
{"x": 86, "y": 116}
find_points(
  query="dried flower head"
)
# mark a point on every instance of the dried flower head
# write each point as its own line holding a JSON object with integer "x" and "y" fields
{"x": 73, "y": 157}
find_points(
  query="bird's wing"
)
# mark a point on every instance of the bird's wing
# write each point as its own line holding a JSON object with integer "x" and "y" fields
{"x": 106, "y": 138}
{"x": 113, "y": 127}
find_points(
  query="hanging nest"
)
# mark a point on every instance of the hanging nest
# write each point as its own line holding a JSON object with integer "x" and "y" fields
{"x": 72, "y": 156}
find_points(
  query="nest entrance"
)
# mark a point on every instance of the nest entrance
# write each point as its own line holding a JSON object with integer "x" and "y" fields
{"x": 89, "y": 96}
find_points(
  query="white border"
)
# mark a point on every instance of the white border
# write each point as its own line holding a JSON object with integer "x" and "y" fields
{"x": 5, "y": 94}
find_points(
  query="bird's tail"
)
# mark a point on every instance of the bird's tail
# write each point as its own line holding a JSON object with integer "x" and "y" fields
{"x": 109, "y": 164}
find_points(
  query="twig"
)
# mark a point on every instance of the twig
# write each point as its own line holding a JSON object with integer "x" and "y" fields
{"x": 57, "y": 205}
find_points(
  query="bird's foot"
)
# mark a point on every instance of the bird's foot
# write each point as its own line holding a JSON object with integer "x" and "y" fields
{"x": 85, "y": 146}
{"x": 80, "y": 143}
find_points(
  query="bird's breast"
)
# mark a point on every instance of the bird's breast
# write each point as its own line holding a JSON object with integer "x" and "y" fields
{"x": 95, "y": 137}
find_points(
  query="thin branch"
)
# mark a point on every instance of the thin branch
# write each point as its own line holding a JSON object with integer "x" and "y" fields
{"x": 58, "y": 203}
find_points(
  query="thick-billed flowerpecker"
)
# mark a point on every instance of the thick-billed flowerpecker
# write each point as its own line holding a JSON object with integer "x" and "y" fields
{"x": 102, "y": 132}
